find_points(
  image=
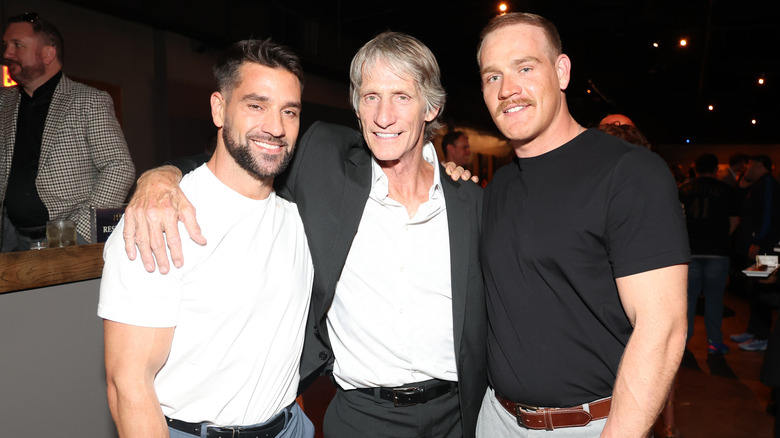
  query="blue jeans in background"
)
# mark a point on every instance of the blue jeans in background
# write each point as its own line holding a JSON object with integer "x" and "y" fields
{"x": 708, "y": 275}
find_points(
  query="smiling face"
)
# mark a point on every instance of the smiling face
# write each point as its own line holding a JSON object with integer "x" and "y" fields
{"x": 392, "y": 114}
{"x": 260, "y": 119}
{"x": 523, "y": 85}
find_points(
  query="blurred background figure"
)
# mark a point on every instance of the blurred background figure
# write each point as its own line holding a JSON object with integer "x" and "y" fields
{"x": 61, "y": 147}
{"x": 629, "y": 133}
{"x": 758, "y": 233}
{"x": 616, "y": 119}
{"x": 711, "y": 215}
{"x": 737, "y": 164}
{"x": 456, "y": 148}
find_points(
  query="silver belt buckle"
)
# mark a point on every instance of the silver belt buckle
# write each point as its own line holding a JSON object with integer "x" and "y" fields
{"x": 409, "y": 392}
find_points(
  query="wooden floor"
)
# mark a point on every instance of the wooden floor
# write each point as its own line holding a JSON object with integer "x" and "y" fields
{"x": 716, "y": 396}
{"x": 721, "y": 396}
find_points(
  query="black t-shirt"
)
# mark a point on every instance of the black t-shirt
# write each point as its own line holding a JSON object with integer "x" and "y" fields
{"x": 557, "y": 230}
{"x": 709, "y": 205}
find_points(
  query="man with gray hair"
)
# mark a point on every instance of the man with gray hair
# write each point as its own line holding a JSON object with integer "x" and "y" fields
{"x": 398, "y": 307}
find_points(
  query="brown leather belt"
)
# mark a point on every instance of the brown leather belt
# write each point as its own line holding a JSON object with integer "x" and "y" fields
{"x": 532, "y": 417}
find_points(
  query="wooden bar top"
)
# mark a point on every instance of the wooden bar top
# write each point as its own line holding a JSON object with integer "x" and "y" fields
{"x": 47, "y": 267}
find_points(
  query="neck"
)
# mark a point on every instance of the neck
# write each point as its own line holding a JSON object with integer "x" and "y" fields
{"x": 36, "y": 83}
{"x": 409, "y": 180}
{"x": 238, "y": 179}
{"x": 553, "y": 137}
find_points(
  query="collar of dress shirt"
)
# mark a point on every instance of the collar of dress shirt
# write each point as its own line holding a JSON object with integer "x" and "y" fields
{"x": 379, "y": 181}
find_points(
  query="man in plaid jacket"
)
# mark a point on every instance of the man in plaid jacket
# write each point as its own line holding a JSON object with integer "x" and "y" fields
{"x": 61, "y": 147}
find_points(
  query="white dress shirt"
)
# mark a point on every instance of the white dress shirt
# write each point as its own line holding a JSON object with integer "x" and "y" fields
{"x": 391, "y": 318}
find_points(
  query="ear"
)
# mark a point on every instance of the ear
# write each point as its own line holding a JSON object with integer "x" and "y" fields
{"x": 430, "y": 115}
{"x": 49, "y": 54}
{"x": 218, "y": 108}
{"x": 563, "y": 69}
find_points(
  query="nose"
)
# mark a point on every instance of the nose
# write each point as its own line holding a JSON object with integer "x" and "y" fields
{"x": 274, "y": 126}
{"x": 8, "y": 51}
{"x": 385, "y": 113}
{"x": 509, "y": 88}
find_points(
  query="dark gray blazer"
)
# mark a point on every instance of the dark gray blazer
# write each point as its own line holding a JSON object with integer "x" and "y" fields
{"x": 330, "y": 180}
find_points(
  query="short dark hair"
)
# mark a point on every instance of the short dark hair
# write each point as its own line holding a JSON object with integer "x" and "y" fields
{"x": 738, "y": 158}
{"x": 45, "y": 28}
{"x": 706, "y": 163}
{"x": 449, "y": 139}
{"x": 763, "y": 159}
{"x": 263, "y": 52}
{"x": 512, "y": 18}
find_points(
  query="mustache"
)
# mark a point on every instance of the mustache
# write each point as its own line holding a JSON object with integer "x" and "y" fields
{"x": 504, "y": 105}
{"x": 7, "y": 62}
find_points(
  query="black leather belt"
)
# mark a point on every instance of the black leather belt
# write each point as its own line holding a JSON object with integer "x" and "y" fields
{"x": 412, "y": 394}
{"x": 269, "y": 430}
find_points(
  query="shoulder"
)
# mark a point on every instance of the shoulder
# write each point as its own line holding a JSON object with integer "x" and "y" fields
{"x": 79, "y": 91}
{"x": 331, "y": 133}
{"x": 8, "y": 95}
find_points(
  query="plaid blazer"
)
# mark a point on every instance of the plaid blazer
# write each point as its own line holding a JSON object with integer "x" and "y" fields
{"x": 84, "y": 157}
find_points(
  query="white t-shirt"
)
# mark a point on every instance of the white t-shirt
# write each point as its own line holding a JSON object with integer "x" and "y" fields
{"x": 239, "y": 305}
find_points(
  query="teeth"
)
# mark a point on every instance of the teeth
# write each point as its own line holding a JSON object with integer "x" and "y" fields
{"x": 384, "y": 135}
{"x": 514, "y": 110}
{"x": 267, "y": 145}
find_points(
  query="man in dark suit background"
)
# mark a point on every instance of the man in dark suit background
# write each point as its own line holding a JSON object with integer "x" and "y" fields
{"x": 398, "y": 306}
{"x": 61, "y": 147}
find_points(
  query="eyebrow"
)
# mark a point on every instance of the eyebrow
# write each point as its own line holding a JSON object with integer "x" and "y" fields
{"x": 514, "y": 64}
{"x": 254, "y": 97}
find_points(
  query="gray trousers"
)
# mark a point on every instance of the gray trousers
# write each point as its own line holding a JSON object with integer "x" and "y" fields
{"x": 354, "y": 414}
{"x": 494, "y": 421}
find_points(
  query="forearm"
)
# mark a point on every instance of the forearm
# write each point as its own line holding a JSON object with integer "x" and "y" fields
{"x": 644, "y": 378}
{"x": 136, "y": 410}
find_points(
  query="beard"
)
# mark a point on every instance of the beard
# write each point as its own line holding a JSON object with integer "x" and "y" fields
{"x": 26, "y": 73}
{"x": 259, "y": 165}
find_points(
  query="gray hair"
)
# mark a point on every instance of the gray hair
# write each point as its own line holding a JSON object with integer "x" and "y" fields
{"x": 406, "y": 56}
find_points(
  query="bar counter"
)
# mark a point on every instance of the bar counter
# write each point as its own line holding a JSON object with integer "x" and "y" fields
{"x": 49, "y": 267}
{"x": 52, "y": 377}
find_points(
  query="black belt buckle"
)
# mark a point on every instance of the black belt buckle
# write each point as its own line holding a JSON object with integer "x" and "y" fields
{"x": 408, "y": 396}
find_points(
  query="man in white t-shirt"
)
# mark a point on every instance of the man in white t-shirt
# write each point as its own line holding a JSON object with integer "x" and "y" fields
{"x": 213, "y": 349}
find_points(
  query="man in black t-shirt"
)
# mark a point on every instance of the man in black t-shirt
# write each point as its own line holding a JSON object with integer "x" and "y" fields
{"x": 584, "y": 252}
{"x": 711, "y": 215}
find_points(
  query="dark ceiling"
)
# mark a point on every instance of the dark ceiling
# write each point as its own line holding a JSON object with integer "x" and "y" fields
{"x": 666, "y": 90}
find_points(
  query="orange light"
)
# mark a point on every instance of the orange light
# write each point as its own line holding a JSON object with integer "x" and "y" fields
{"x": 588, "y": 91}
{"x": 753, "y": 121}
{"x": 760, "y": 81}
{"x": 7, "y": 81}
{"x": 655, "y": 45}
{"x": 710, "y": 107}
{"x": 502, "y": 7}
{"x": 683, "y": 42}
